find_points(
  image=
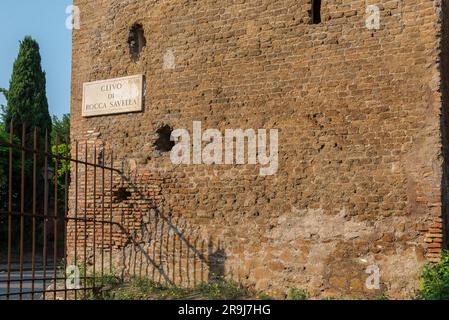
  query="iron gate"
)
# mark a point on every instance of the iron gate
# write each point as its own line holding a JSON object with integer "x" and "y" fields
{"x": 68, "y": 217}
{"x": 35, "y": 260}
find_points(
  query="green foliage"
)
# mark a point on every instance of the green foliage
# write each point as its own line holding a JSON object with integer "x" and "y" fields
{"x": 134, "y": 289}
{"x": 4, "y": 159}
{"x": 435, "y": 280}
{"x": 222, "y": 289}
{"x": 4, "y": 179}
{"x": 60, "y": 145}
{"x": 144, "y": 289}
{"x": 4, "y": 92}
{"x": 297, "y": 294}
{"x": 60, "y": 154}
{"x": 26, "y": 97}
{"x": 26, "y": 103}
{"x": 60, "y": 129}
{"x": 173, "y": 293}
{"x": 61, "y": 151}
{"x": 264, "y": 296}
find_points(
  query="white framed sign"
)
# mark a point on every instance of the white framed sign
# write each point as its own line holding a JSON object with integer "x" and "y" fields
{"x": 113, "y": 96}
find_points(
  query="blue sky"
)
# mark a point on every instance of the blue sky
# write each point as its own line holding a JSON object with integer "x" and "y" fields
{"x": 44, "y": 20}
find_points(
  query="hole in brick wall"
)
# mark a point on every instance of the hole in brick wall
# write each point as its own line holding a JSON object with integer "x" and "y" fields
{"x": 316, "y": 11}
{"x": 163, "y": 142}
{"x": 136, "y": 41}
{"x": 122, "y": 194}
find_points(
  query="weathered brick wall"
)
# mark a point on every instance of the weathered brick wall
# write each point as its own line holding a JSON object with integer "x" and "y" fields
{"x": 107, "y": 208}
{"x": 361, "y": 167}
{"x": 116, "y": 224}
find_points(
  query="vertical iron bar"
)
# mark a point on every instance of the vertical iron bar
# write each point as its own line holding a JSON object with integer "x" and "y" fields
{"x": 55, "y": 218}
{"x": 124, "y": 215}
{"x": 85, "y": 222}
{"x": 102, "y": 215}
{"x": 202, "y": 263}
{"x": 195, "y": 257}
{"x": 110, "y": 213}
{"x": 66, "y": 211}
{"x": 76, "y": 203}
{"x": 167, "y": 248}
{"x": 174, "y": 258}
{"x": 8, "y": 286}
{"x": 132, "y": 234}
{"x": 156, "y": 224}
{"x": 33, "y": 231}
{"x": 142, "y": 239}
{"x": 180, "y": 262}
{"x": 188, "y": 261}
{"x": 94, "y": 233}
{"x": 22, "y": 212}
{"x": 44, "y": 249}
{"x": 161, "y": 247}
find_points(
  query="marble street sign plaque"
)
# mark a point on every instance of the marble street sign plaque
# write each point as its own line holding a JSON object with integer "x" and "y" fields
{"x": 113, "y": 96}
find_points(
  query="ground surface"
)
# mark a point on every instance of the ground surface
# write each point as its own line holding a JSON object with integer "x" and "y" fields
{"x": 26, "y": 283}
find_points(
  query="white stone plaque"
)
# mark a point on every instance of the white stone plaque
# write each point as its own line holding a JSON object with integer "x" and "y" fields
{"x": 120, "y": 95}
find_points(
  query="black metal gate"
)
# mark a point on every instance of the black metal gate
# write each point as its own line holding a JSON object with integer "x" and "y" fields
{"x": 35, "y": 261}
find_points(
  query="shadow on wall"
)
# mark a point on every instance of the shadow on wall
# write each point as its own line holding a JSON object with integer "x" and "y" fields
{"x": 167, "y": 252}
{"x": 117, "y": 227}
{"x": 160, "y": 247}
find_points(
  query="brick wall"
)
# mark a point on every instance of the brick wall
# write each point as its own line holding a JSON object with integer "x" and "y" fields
{"x": 361, "y": 167}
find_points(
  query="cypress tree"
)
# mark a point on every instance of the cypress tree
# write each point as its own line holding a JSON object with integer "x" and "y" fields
{"x": 26, "y": 97}
{"x": 26, "y": 103}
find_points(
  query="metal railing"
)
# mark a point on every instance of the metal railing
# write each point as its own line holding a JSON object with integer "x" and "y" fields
{"x": 64, "y": 209}
{"x": 33, "y": 247}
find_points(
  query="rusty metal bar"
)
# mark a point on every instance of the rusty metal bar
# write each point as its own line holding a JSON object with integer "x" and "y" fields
{"x": 94, "y": 233}
{"x": 143, "y": 237}
{"x": 29, "y": 150}
{"x": 52, "y": 161}
{"x": 22, "y": 209}
{"x": 180, "y": 261}
{"x": 66, "y": 212}
{"x": 44, "y": 249}
{"x": 75, "y": 244}
{"x": 110, "y": 213}
{"x": 166, "y": 251}
{"x": 122, "y": 211}
{"x": 188, "y": 263}
{"x": 30, "y": 279}
{"x": 42, "y": 292}
{"x": 174, "y": 257}
{"x": 161, "y": 247}
{"x": 55, "y": 220}
{"x": 85, "y": 221}
{"x": 102, "y": 215}
{"x": 11, "y": 134}
{"x": 156, "y": 224}
{"x": 33, "y": 231}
